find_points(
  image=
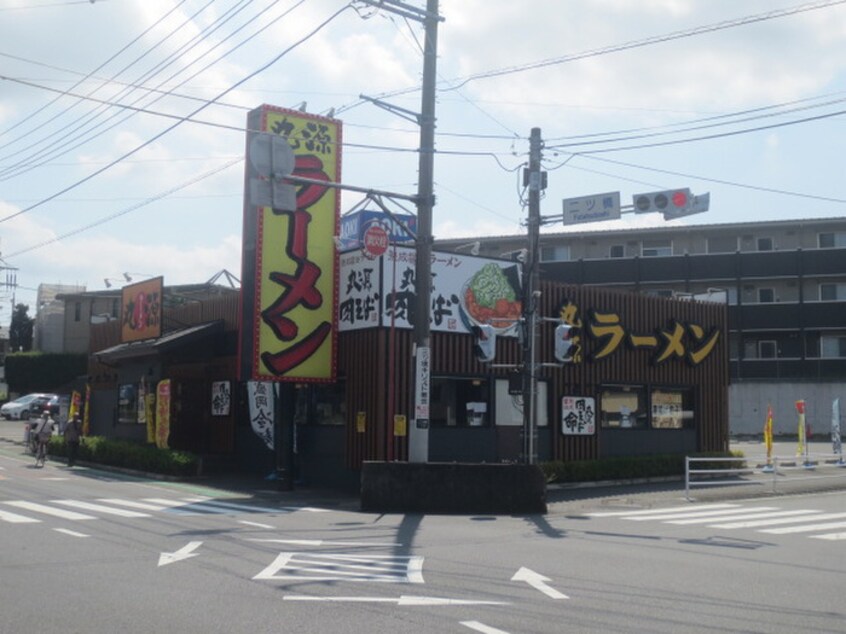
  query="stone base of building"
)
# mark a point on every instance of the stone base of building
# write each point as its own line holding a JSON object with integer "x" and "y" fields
{"x": 455, "y": 488}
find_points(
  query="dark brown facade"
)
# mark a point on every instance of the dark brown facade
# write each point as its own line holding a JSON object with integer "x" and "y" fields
{"x": 638, "y": 356}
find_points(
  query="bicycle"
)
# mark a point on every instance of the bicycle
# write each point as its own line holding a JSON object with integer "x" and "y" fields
{"x": 41, "y": 454}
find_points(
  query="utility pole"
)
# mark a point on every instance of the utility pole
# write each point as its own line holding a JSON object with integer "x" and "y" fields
{"x": 418, "y": 450}
{"x": 534, "y": 179}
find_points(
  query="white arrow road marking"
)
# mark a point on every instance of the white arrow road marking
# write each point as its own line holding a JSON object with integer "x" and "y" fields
{"x": 70, "y": 532}
{"x": 182, "y": 553}
{"x": 537, "y": 581}
{"x": 481, "y": 627}
{"x": 403, "y": 600}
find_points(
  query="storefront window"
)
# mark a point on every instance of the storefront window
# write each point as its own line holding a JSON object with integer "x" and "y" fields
{"x": 623, "y": 407}
{"x": 671, "y": 409}
{"x": 460, "y": 402}
{"x": 329, "y": 404}
{"x": 127, "y": 403}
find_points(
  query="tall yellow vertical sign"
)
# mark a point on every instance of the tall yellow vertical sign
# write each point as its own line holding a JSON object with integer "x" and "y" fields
{"x": 289, "y": 309}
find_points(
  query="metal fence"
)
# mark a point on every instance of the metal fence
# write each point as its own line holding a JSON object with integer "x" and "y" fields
{"x": 778, "y": 474}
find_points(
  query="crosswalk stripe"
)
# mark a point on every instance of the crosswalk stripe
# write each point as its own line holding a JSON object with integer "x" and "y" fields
{"x": 133, "y": 504}
{"x": 49, "y": 510}
{"x": 240, "y": 507}
{"x": 785, "y": 530}
{"x": 702, "y": 514}
{"x": 660, "y": 511}
{"x": 832, "y": 536}
{"x": 109, "y": 510}
{"x": 817, "y": 516}
{"x": 750, "y": 516}
{"x": 14, "y": 518}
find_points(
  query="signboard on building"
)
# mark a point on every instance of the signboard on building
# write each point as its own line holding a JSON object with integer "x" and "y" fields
{"x": 466, "y": 291}
{"x": 141, "y": 315}
{"x": 288, "y": 313}
{"x": 578, "y": 416}
{"x": 401, "y": 228}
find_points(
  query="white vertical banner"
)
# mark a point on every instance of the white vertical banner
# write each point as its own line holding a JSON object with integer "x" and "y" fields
{"x": 260, "y": 398}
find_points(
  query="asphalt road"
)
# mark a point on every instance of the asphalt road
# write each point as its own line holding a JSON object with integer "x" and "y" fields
{"x": 84, "y": 550}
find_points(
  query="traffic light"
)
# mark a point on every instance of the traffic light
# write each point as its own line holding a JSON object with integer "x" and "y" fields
{"x": 673, "y": 203}
{"x": 563, "y": 344}
{"x": 485, "y": 345}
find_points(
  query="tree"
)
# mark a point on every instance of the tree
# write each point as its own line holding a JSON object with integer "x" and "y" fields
{"x": 20, "y": 330}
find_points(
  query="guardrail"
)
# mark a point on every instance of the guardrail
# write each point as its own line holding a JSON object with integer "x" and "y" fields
{"x": 779, "y": 469}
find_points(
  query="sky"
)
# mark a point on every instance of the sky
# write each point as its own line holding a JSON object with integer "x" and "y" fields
{"x": 122, "y": 122}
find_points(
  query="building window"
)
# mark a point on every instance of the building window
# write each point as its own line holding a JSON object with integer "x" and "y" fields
{"x": 833, "y": 346}
{"x": 766, "y": 295}
{"x": 330, "y": 404}
{"x": 617, "y": 251}
{"x": 656, "y": 248}
{"x": 77, "y": 311}
{"x": 623, "y": 407}
{"x": 127, "y": 403}
{"x": 557, "y": 253}
{"x": 832, "y": 292}
{"x": 722, "y": 244}
{"x": 671, "y": 409}
{"x": 767, "y": 350}
{"x": 115, "y": 308}
{"x": 765, "y": 244}
{"x": 831, "y": 240}
{"x": 460, "y": 402}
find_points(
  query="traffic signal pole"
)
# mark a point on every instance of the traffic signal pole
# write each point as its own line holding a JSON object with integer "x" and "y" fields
{"x": 531, "y": 295}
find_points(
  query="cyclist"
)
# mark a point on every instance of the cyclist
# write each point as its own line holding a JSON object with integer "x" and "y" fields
{"x": 43, "y": 431}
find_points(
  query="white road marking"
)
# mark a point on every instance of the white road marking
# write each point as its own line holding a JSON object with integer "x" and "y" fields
{"x": 67, "y": 531}
{"x": 332, "y": 567}
{"x": 481, "y": 627}
{"x": 831, "y": 536}
{"x": 815, "y": 517}
{"x": 318, "y": 542}
{"x": 660, "y": 511}
{"x": 186, "y": 552}
{"x": 758, "y": 515}
{"x": 217, "y": 506}
{"x": 256, "y": 524}
{"x": 803, "y": 529}
{"x": 49, "y": 510}
{"x": 14, "y": 518}
{"x": 133, "y": 504}
{"x": 538, "y": 582}
{"x": 99, "y": 508}
{"x": 403, "y": 600}
{"x": 716, "y": 514}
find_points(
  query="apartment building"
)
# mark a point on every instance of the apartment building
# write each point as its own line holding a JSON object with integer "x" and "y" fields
{"x": 784, "y": 283}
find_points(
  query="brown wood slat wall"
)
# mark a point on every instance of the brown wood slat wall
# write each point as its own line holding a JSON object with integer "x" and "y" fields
{"x": 641, "y": 315}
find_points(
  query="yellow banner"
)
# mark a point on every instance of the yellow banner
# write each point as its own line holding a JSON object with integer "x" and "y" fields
{"x": 162, "y": 413}
{"x": 141, "y": 316}
{"x": 768, "y": 433}
{"x": 86, "y": 416}
{"x": 150, "y": 411}
{"x": 296, "y": 267}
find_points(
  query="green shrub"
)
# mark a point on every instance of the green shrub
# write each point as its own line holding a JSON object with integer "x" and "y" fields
{"x": 130, "y": 455}
{"x": 629, "y": 467}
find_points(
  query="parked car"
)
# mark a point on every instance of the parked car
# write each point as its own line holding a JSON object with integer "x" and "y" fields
{"x": 20, "y": 408}
{"x": 47, "y": 401}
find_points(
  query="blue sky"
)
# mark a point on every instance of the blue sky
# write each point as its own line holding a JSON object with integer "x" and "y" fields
{"x": 739, "y": 99}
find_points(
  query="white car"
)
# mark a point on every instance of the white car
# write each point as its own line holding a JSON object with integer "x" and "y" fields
{"x": 19, "y": 409}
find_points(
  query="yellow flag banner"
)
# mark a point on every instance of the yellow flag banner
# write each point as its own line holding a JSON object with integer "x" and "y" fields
{"x": 162, "y": 413}
{"x": 768, "y": 433}
{"x": 86, "y": 412}
{"x": 75, "y": 405}
{"x": 150, "y": 416}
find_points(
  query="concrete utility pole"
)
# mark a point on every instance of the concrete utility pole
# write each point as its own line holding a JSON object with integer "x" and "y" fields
{"x": 418, "y": 450}
{"x": 418, "y": 434}
{"x": 533, "y": 177}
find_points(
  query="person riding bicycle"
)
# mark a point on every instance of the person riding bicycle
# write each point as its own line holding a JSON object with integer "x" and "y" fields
{"x": 43, "y": 431}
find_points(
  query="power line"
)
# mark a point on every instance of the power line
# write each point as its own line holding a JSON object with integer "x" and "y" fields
{"x": 261, "y": 69}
